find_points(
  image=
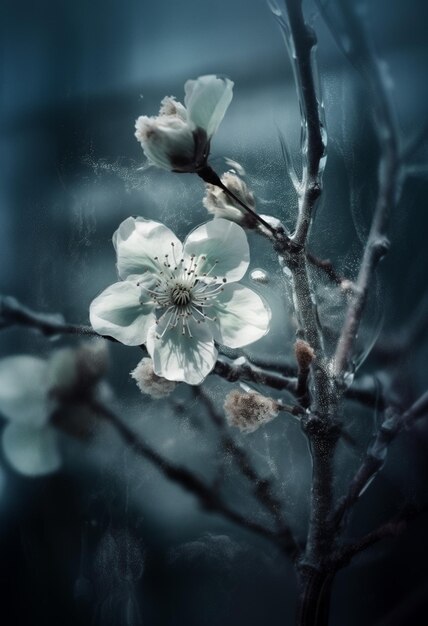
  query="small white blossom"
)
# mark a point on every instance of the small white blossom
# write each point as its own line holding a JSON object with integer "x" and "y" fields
{"x": 31, "y": 390}
{"x": 249, "y": 411}
{"x": 150, "y": 383}
{"x": 178, "y": 138}
{"x": 217, "y": 202}
{"x": 178, "y": 298}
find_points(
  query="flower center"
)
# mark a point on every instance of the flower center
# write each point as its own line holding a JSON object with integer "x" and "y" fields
{"x": 182, "y": 294}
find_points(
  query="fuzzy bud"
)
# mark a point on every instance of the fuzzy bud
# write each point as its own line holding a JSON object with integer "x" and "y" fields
{"x": 150, "y": 383}
{"x": 93, "y": 359}
{"x": 219, "y": 204}
{"x": 249, "y": 411}
{"x": 304, "y": 354}
{"x": 76, "y": 371}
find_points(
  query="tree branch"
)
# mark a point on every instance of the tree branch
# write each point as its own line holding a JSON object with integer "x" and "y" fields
{"x": 262, "y": 487}
{"x": 301, "y": 41}
{"x": 206, "y": 495}
{"x": 375, "y": 458}
{"x": 361, "y": 55}
{"x": 392, "y": 528}
{"x": 13, "y": 313}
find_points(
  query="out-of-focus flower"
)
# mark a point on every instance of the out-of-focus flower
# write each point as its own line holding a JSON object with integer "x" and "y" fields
{"x": 179, "y": 137}
{"x": 249, "y": 411}
{"x": 150, "y": 383}
{"x": 217, "y": 202}
{"x": 174, "y": 298}
{"x": 31, "y": 390}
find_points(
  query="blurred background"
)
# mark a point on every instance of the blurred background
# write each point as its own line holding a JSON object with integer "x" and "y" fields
{"x": 107, "y": 541}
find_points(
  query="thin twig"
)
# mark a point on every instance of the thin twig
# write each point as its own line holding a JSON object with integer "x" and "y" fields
{"x": 360, "y": 53}
{"x": 327, "y": 267}
{"x": 262, "y": 487}
{"x": 374, "y": 460}
{"x": 13, "y": 313}
{"x": 303, "y": 42}
{"x": 241, "y": 369}
{"x": 206, "y": 495}
{"x": 300, "y": 40}
{"x": 392, "y": 528}
{"x": 208, "y": 175}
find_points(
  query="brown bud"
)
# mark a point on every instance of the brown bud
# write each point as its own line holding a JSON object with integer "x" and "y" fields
{"x": 304, "y": 354}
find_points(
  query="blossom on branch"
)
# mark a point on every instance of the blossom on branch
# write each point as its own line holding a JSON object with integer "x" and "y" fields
{"x": 178, "y": 298}
{"x": 32, "y": 390}
{"x": 220, "y": 204}
{"x": 178, "y": 139}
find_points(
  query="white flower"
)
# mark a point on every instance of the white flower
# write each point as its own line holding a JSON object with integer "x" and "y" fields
{"x": 31, "y": 390}
{"x": 180, "y": 298}
{"x": 219, "y": 204}
{"x": 179, "y": 137}
{"x": 29, "y": 442}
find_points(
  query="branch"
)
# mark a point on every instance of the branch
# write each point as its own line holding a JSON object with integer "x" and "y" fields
{"x": 361, "y": 55}
{"x": 392, "y": 528}
{"x": 327, "y": 267}
{"x": 241, "y": 369}
{"x": 393, "y": 346}
{"x": 301, "y": 41}
{"x": 13, "y": 313}
{"x": 207, "y": 496}
{"x": 374, "y": 460}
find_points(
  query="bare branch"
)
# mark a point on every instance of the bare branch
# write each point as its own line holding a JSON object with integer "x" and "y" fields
{"x": 206, "y": 495}
{"x": 375, "y": 458}
{"x": 262, "y": 487}
{"x": 301, "y": 40}
{"x": 361, "y": 54}
{"x": 13, "y": 313}
{"x": 392, "y": 528}
{"x": 241, "y": 369}
{"x": 392, "y": 347}
{"x": 327, "y": 267}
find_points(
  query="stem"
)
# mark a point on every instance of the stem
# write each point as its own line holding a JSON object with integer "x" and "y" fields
{"x": 306, "y": 311}
{"x": 210, "y": 176}
{"x": 321, "y": 532}
{"x": 303, "y": 41}
{"x": 206, "y": 494}
{"x": 364, "y": 59}
{"x": 314, "y": 597}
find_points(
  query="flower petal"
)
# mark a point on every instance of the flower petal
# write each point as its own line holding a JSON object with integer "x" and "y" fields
{"x": 242, "y": 316}
{"x": 207, "y": 99}
{"x": 181, "y": 357}
{"x": 138, "y": 241}
{"x": 165, "y": 139}
{"x": 118, "y": 312}
{"x": 24, "y": 389}
{"x": 221, "y": 247}
{"x": 31, "y": 451}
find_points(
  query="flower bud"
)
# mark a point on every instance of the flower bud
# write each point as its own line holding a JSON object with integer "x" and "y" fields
{"x": 76, "y": 371}
{"x": 178, "y": 138}
{"x": 219, "y": 204}
{"x": 249, "y": 411}
{"x": 150, "y": 383}
{"x": 304, "y": 354}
